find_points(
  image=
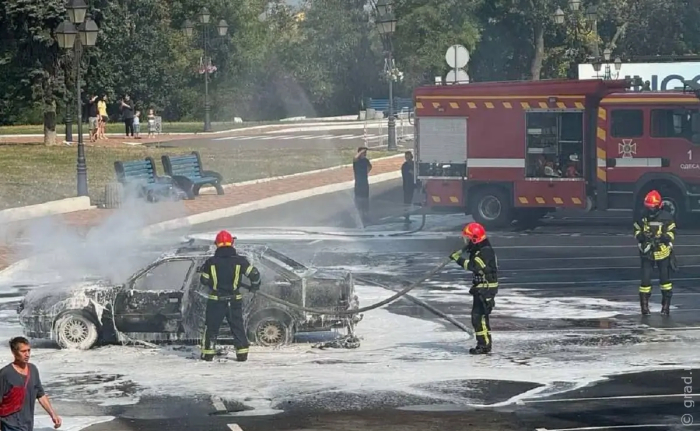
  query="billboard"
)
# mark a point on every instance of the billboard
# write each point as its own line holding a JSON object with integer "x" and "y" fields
{"x": 662, "y": 76}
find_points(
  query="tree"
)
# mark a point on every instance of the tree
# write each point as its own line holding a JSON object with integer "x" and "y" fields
{"x": 425, "y": 29}
{"x": 36, "y": 61}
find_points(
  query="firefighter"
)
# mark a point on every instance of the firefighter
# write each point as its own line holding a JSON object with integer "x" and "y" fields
{"x": 484, "y": 265}
{"x": 222, "y": 274}
{"x": 655, "y": 232}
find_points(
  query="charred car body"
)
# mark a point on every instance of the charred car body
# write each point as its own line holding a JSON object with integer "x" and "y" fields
{"x": 165, "y": 302}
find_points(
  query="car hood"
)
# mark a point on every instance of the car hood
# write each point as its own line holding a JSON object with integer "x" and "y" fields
{"x": 44, "y": 298}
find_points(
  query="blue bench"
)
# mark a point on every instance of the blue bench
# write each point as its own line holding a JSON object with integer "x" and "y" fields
{"x": 186, "y": 171}
{"x": 141, "y": 176}
{"x": 382, "y": 105}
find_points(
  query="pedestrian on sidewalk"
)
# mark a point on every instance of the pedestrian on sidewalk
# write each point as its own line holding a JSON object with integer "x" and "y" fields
{"x": 20, "y": 386}
{"x": 127, "y": 108}
{"x": 361, "y": 167}
{"x": 409, "y": 184}
{"x": 104, "y": 118}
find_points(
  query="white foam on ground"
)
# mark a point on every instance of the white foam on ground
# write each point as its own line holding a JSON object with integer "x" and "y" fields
{"x": 397, "y": 353}
{"x": 70, "y": 423}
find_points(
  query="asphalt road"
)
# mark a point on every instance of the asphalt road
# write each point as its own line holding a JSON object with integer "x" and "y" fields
{"x": 298, "y": 136}
{"x": 571, "y": 255}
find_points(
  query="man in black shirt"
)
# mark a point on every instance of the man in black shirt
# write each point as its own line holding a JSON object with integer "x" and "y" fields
{"x": 361, "y": 167}
{"x": 409, "y": 183}
{"x": 92, "y": 117}
{"x": 127, "y": 108}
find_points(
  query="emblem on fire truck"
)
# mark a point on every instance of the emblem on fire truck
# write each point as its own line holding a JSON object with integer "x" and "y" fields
{"x": 627, "y": 148}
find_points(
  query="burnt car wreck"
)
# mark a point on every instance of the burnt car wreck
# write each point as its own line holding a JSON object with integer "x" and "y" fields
{"x": 165, "y": 303}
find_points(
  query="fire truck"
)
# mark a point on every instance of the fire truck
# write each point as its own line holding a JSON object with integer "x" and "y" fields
{"x": 517, "y": 150}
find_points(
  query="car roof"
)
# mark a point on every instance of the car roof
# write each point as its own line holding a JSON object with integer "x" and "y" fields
{"x": 195, "y": 248}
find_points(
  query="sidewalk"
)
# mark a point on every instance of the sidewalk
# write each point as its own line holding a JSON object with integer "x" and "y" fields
{"x": 82, "y": 221}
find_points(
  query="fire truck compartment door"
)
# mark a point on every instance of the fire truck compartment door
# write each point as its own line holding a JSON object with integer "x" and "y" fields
{"x": 442, "y": 147}
{"x": 551, "y": 193}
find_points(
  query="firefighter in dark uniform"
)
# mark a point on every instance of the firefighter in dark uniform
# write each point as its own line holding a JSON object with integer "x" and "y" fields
{"x": 655, "y": 233}
{"x": 222, "y": 274}
{"x": 483, "y": 264}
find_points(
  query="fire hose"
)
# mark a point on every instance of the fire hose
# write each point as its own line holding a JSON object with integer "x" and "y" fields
{"x": 391, "y": 299}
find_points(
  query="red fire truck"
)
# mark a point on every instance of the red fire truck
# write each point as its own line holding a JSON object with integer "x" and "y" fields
{"x": 504, "y": 151}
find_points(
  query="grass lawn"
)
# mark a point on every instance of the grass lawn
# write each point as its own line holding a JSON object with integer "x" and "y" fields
{"x": 33, "y": 174}
{"x": 118, "y": 127}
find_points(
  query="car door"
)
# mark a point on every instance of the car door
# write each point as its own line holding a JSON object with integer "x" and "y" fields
{"x": 152, "y": 300}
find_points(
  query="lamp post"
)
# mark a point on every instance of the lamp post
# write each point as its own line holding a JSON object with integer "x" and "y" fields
{"x": 386, "y": 24}
{"x": 222, "y": 28}
{"x": 591, "y": 16}
{"x": 68, "y": 37}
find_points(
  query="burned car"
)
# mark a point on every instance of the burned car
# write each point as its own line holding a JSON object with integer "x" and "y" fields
{"x": 165, "y": 302}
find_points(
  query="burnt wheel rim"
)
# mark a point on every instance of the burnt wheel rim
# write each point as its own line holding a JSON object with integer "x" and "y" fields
{"x": 271, "y": 332}
{"x": 490, "y": 208}
{"x": 75, "y": 331}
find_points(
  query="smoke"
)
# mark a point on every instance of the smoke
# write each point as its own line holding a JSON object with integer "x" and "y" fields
{"x": 113, "y": 248}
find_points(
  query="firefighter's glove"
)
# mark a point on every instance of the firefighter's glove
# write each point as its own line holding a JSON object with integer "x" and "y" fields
{"x": 254, "y": 287}
{"x": 456, "y": 255}
{"x": 474, "y": 291}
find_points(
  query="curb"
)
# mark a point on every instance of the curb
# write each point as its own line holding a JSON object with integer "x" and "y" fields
{"x": 62, "y": 206}
{"x": 298, "y": 174}
{"x": 223, "y": 213}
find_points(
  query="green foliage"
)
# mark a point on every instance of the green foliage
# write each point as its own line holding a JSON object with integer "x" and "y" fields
{"x": 325, "y": 61}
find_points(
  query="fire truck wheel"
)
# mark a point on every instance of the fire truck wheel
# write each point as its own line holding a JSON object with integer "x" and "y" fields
{"x": 491, "y": 207}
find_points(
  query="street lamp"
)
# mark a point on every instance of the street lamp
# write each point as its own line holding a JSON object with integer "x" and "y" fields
{"x": 559, "y": 16}
{"x": 68, "y": 37}
{"x": 592, "y": 13}
{"x": 618, "y": 64}
{"x": 386, "y": 25}
{"x": 204, "y": 18}
{"x": 575, "y": 5}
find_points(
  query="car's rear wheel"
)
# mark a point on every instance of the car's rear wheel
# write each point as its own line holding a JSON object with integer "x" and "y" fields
{"x": 271, "y": 331}
{"x": 75, "y": 331}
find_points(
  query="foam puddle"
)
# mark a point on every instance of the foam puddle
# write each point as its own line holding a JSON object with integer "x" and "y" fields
{"x": 398, "y": 353}
{"x": 70, "y": 423}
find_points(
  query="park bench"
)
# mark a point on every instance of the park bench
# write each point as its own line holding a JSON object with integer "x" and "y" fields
{"x": 140, "y": 176}
{"x": 187, "y": 173}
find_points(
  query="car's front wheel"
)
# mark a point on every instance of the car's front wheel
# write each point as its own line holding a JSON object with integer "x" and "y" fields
{"x": 75, "y": 331}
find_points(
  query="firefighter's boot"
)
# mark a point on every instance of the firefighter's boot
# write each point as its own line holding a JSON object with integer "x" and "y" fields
{"x": 480, "y": 350}
{"x": 241, "y": 357}
{"x": 207, "y": 357}
{"x": 666, "y": 302}
{"x": 644, "y": 303}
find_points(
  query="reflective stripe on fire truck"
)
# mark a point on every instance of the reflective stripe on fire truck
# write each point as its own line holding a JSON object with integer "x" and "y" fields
{"x": 496, "y": 163}
{"x": 600, "y": 144}
{"x": 638, "y": 162}
{"x": 539, "y": 200}
{"x": 438, "y": 199}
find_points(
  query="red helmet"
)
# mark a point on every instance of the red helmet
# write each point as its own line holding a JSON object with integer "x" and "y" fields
{"x": 223, "y": 239}
{"x": 652, "y": 199}
{"x": 474, "y": 232}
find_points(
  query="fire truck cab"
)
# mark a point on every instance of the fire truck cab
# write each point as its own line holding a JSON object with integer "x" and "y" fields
{"x": 516, "y": 150}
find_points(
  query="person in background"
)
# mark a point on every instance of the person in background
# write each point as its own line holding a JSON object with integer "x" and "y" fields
{"x": 20, "y": 387}
{"x": 151, "y": 123}
{"x": 361, "y": 167}
{"x": 127, "y": 108}
{"x": 93, "y": 119}
{"x": 409, "y": 183}
{"x": 102, "y": 112}
{"x": 137, "y": 124}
